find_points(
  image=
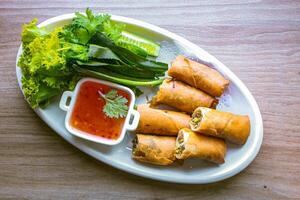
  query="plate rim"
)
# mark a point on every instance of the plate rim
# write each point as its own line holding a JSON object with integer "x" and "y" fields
{"x": 252, "y": 153}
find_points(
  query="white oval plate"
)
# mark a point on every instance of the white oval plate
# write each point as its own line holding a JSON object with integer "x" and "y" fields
{"x": 237, "y": 99}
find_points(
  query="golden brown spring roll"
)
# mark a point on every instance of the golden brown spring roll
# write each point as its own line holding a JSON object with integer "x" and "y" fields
{"x": 198, "y": 75}
{"x": 231, "y": 127}
{"x": 161, "y": 122}
{"x": 182, "y": 96}
{"x": 158, "y": 150}
{"x": 194, "y": 145}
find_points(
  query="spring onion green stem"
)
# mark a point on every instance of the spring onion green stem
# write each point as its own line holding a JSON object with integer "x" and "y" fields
{"x": 115, "y": 79}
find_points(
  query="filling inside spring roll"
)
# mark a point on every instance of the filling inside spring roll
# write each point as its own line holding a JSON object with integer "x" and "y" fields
{"x": 196, "y": 119}
{"x": 179, "y": 144}
{"x": 135, "y": 151}
{"x": 180, "y": 147}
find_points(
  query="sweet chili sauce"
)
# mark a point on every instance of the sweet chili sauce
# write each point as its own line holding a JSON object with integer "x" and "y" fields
{"x": 88, "y": 115}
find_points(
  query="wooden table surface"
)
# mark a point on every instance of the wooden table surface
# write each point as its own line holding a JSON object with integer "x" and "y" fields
{"x": 258, "y": 40}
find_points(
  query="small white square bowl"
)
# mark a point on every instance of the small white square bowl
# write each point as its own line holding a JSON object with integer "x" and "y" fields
{"x": 129, "y": 125}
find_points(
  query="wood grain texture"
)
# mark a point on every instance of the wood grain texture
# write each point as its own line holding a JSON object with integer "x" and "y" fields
{"x": 257, "y": 40}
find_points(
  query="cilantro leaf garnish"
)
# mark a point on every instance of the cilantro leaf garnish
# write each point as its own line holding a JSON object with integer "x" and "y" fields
{"x": 115, "y": 106}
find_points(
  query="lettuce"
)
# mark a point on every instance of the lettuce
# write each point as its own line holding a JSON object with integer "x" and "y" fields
{"x": 31, "y": 31}
{"x": 36, "y": 92}
{"x": 44, "y": 64}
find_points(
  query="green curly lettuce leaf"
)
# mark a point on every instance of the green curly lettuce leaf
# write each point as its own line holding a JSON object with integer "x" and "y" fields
{"x": 36, "y": 92}
{"x": 44, "y": 66}
{"x": 31, "y": 31}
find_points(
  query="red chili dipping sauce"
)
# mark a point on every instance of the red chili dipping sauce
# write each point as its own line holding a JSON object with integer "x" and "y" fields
{"x": 88, "y": 115}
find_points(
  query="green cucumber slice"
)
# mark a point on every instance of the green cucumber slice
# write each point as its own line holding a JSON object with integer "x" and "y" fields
{"x": 138, "y": 44}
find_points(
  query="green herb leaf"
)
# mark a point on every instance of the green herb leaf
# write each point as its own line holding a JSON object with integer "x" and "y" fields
{"x": 112, "y": 94}
{"x": 127, "y": 56}
{"x": 117, "y": 78}
{"x": 115, "y": 106}
{"x": 114, "y": 63}
{"x": 83, "y": 27}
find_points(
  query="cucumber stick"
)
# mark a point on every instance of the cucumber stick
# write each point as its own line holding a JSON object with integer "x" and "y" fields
{"x": 138, "y": 44}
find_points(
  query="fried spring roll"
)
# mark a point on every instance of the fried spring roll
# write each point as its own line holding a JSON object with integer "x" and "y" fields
{"x": 158, "y": 150}
{"x": 182, "y": 96}
{"x": 231, "y": 127}
{"x": 198, "y": 75}
{"x": 161, "y": 122}
{"x": 190, "y": 144}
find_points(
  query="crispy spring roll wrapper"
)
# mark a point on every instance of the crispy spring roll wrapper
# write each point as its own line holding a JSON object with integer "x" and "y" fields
{"x": 231, "y": 127}
{"x": 158, "y": 150}
{"x": 198, "y": 75}
{"x": 182, "y": 96}
{"x": 161, "y": 122}
{"x": 194, "y": 145}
